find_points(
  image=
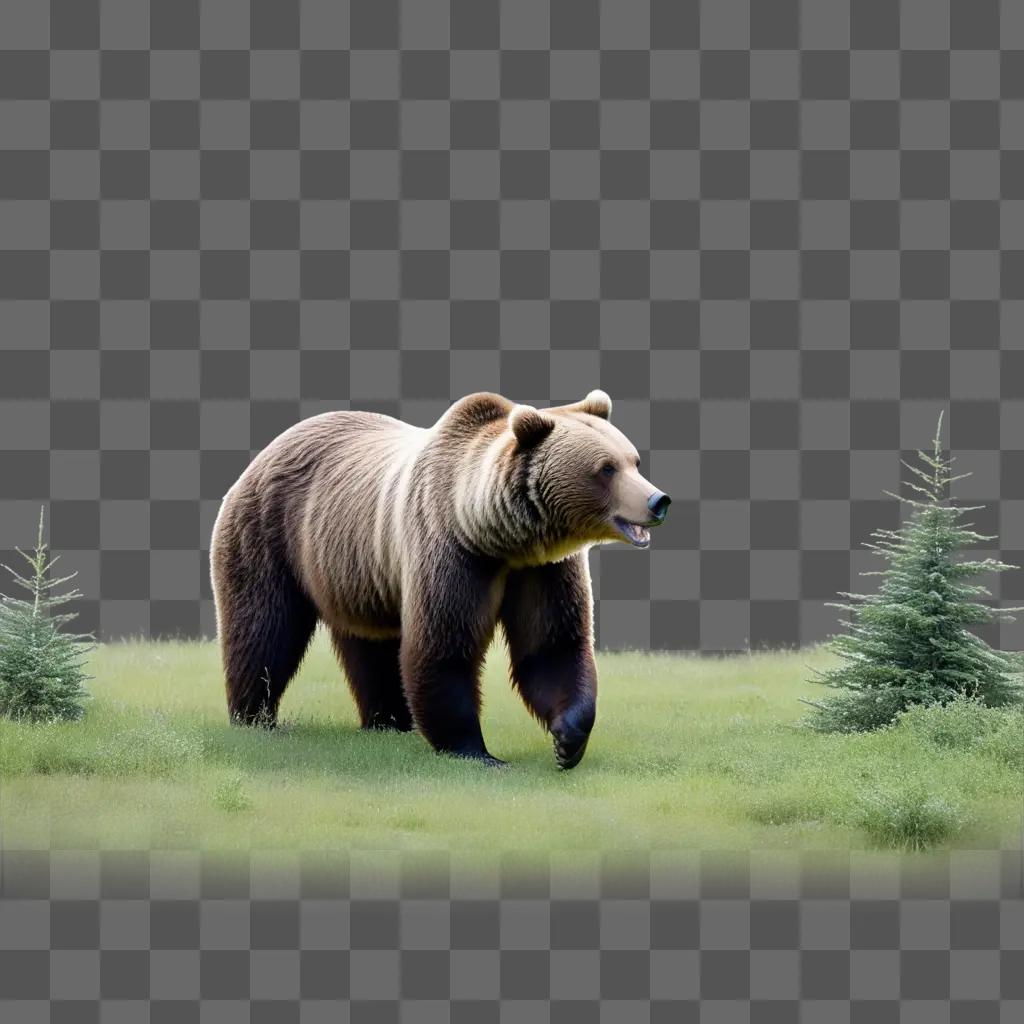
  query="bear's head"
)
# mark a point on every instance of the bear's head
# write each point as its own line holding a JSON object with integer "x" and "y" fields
{"x": 581, "y": 477}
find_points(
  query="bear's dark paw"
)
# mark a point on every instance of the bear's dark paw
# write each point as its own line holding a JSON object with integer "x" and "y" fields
{"x": 261, "y": 718}
{"x": 480, "y": 757}
{"x": 388, "y": 723}
{"x": 569, "y": 751}
{"x": 495, "y": 762}
{"x": 570, "y": 732}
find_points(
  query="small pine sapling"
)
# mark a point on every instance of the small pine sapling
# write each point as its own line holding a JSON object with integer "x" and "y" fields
{"x": 908, "y": 643}
{"x": 41, "y": 667}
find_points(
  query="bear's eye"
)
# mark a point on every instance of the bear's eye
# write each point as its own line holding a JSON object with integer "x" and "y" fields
{"x": 608, "y": 469}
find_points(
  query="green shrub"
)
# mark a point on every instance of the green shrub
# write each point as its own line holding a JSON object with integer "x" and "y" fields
{"x": 962, "y": 724}
{"x": 909, "y": 818}
{"x": 967, "y": 725}
{"x": 1006, "y": 744}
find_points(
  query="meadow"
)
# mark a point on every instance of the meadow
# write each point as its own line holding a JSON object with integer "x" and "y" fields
{"x": 688, "y": 752}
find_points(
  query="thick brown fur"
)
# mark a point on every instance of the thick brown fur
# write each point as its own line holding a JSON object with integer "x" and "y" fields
{"x": 411, "y": 545}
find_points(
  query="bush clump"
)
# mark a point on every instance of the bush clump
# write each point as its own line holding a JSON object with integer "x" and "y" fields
{"x": 965, "y": 723}
{"x": 909, "y": 818}
{"x": 1006, "y": 744}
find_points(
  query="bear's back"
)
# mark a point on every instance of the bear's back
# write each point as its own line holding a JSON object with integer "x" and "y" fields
{"x": 343, "y": 474}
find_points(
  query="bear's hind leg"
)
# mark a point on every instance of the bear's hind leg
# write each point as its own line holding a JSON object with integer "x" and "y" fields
{"x": 375, "y": 679}
{"x": 264, "y": 635}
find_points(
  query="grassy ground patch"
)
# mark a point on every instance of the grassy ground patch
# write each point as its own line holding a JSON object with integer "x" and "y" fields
{"x": 688, "y": 752}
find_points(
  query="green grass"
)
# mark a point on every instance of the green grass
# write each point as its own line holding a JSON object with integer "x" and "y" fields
{"x": 688, "y": 752}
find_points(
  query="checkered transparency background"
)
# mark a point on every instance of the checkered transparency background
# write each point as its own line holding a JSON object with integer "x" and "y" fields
{"x": 783, "y": 236}
{"x": 179, "y": 937}
{"x": 365, "y": 937}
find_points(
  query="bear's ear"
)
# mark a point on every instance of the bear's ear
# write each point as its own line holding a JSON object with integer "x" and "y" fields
{"x": 530, "y": 425}
{"x": 597, "y": 403}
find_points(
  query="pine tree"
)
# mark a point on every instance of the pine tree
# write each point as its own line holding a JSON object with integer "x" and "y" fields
{"x": 908, "y": 643}
{"x": 41, "y": 667}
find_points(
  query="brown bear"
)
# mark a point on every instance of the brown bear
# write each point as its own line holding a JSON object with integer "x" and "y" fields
{"x": 411, "y": 544}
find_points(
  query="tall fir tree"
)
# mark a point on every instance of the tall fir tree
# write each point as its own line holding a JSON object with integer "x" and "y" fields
{"x": 41, "y": 666}
{"x": 909, "y": 642}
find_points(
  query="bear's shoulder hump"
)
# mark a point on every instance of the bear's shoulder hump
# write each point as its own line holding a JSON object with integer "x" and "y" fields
{"x": 477, "y": 410}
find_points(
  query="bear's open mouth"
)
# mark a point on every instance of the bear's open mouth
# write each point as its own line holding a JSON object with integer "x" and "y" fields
{"x": 637, "y": 535}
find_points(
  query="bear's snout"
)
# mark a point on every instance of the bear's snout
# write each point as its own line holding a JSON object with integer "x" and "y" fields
{"x": 657, "y": 505}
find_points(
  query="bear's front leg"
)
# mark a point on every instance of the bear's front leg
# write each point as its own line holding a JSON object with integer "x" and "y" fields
{"x": 447, "y": 624}
{"x": 547, "y": 617}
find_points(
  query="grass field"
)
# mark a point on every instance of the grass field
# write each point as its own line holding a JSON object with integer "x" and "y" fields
{"x": 688, "y": 752}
